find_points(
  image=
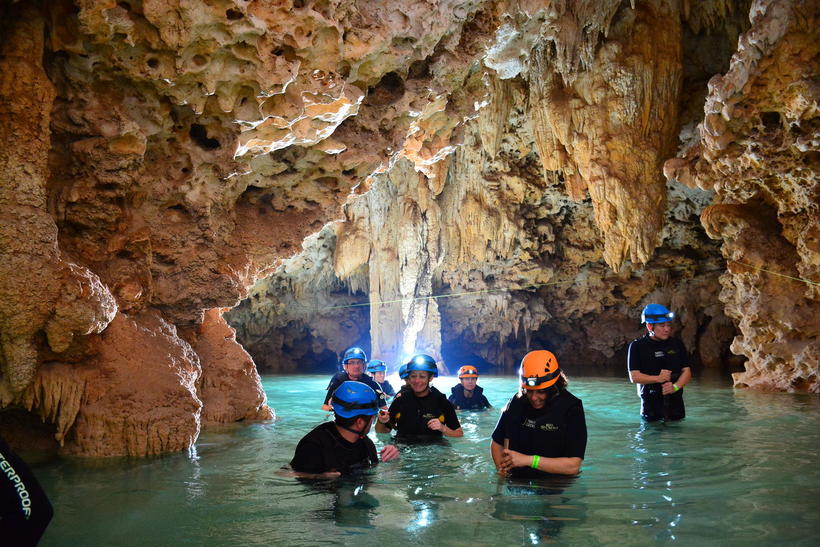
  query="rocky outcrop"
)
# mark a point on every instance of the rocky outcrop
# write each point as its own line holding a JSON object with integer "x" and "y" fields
{"x": 757, "y": 149}
{"x": 163, "y": 156}
{"x": 166, "y": 155}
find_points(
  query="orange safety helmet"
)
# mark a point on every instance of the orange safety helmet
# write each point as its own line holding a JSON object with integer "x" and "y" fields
{"x": 467, "y": 371}
{"x": 539, "y": 370}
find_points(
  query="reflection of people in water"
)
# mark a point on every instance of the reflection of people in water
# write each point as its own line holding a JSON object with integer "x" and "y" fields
{"x": 543, "y": 430}
{"x": 339, "y": 447}
{"x": 541, "y": 506}
{"x": 350, "y": 503}
{"x": 24, "y": 508}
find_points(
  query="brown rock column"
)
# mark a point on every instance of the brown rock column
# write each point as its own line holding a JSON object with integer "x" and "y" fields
{"x": 39, "y": 290}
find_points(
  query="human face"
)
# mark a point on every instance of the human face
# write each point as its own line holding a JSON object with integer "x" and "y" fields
{"x": 354, "y": 368}
{"x": 378, "y": 376}
{"x": 660, "y": 331}
{"x": 419, "y": 381}
{"x": 537, "y": 397}
{"x": 469, "y": 383}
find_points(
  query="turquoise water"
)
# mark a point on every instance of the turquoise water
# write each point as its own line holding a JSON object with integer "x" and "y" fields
{"x": 741, "y": 469}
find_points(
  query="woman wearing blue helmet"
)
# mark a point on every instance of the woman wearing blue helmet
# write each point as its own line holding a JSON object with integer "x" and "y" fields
{"x": 422, "y": 413}
{"x": 659, "y": 364}
{"x": 377, "y": 369}
{"x": 342, "y": 446}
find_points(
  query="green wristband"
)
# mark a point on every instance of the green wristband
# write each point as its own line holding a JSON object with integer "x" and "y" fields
{"x": 675, "y": 386}
{"x": 535, "y": 460}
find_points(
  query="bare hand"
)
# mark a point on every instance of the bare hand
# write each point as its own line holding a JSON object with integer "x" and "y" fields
{"x": 389, "y": 452}
{"x": 384, "y": 416}
{"x": 511, "y": 458}
{"x": 435, "y": 424}
{"x": 668, "y": 388}
{"x": 665, "y": 376}
{"x": 327, "y": 407}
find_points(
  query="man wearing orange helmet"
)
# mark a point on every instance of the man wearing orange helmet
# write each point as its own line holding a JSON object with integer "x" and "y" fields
{"x": 466, "y": 395}
{"x": 543, "y": 429}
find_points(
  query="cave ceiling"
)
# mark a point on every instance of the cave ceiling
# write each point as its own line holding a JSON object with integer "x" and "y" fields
{"x": 466, "y": 178}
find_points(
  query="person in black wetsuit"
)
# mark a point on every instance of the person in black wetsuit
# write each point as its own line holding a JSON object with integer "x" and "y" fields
{"x": 658, "y": 363}
{"x": 25, "y": 511}
{"x": 342, "y": 446}
{"x": 542, "y": 430}
{"x": 353, "y": 362}
{"x": 377, "y": 369}
{"x": 466, "y": 395}
{"x": 420, "y": 413}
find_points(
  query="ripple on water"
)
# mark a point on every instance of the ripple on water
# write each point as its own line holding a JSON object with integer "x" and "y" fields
{"x": 742, "y": 468}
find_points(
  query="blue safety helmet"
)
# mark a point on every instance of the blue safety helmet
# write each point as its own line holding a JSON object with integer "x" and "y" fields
{"x": 420, "y": 361}
{"x": 354, "y": 399}
{"x": 354, "y": 353}
{"x": 376, "y": 366}
{"x": 655, "y": 313}
{"x": 403, "y": 372}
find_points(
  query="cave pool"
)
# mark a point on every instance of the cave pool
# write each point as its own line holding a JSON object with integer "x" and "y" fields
{"x": 741, "y": 469}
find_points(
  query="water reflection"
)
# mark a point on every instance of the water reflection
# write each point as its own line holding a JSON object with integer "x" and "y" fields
{"x": 350, "y": 504}
{"x": 542, "y": 507}
{"x": 657, "y": 468}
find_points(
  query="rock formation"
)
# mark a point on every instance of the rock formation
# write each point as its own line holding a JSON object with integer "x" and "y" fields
{"x": 161, "y": 156}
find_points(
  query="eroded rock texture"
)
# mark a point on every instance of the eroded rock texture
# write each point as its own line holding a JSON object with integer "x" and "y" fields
{"x": 758, "y": 150}
{"x": 595, "y": 101}
{"x": 161, "y": 156}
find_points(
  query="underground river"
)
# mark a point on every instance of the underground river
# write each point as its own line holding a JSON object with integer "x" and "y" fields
{"x": 741, "y": 468}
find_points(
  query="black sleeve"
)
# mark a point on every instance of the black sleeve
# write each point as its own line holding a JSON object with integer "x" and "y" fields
{"x": 633, "y": 357}
{"x": 577, "y": 432}
{"x": 485, "y": 401}
{"x": 500, "y": 431}
{"x": 335, "y": 382}
{"x": 395, "y": 406}
{"x": 388, "y": 389}
{"x": 308, "y": 457}
{"x": 450, "y": 416}
{"x": 24, "y": 508}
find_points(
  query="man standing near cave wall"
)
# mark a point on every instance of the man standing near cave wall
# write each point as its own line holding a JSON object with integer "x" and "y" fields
{"x": 659, "y": 363}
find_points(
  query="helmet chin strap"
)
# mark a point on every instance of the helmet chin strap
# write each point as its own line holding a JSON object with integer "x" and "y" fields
{"x": 361, "y": 433}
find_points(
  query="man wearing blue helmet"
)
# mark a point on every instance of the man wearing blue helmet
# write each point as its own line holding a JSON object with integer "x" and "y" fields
{"x": 342, "y": 446}
{"x": 353, "y": 361}
{"x": 421, "y": 413}
{"x": 377, "y": 369}
{"x": 659, "y": 364}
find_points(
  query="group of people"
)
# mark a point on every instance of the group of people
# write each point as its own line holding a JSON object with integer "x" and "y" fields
{"x": 541, "y": 431}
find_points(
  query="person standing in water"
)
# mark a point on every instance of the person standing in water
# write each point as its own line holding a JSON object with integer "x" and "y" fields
{"x": 658, "y": 363}
{"x": 421, "y": 413}
{"x": 377, "y": 369}
{"x": 466, "y": 395}
{"x": 542, "y": 430}
{"x": 353, "y": 361}
{"x": 342, "y": 446}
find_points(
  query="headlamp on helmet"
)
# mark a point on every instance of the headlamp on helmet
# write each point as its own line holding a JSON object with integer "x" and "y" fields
{"x": 655, "y": 313}
{"x": 468, "y": 371}
{"x": 539, "y": 370}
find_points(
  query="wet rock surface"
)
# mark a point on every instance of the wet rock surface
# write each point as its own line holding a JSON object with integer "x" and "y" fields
{"x": 162, "y": 157}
